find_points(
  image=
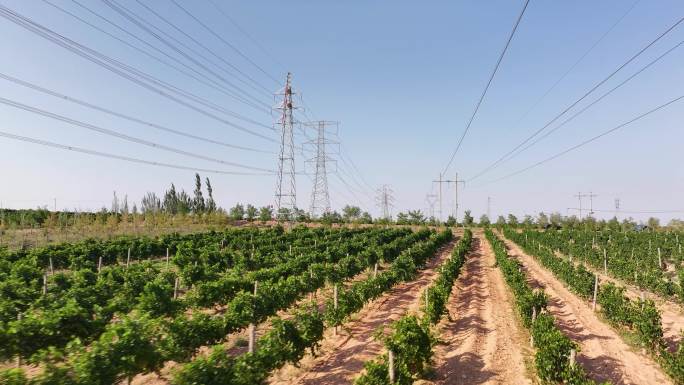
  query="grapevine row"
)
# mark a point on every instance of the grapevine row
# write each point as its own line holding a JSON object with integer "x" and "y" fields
{"x": 140, "y": 343}
{"x": 640, "y": 317}
{"x": 287, "y": 341}
{"x": 553, "y": 348}
{"x": 410, "y": 339}
{"x": 86, "y": 304}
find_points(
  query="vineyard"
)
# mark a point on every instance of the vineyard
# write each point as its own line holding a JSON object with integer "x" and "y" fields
{"x": 371, "y": 305}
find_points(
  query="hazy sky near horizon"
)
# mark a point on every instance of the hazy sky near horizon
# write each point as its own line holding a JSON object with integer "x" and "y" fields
{"x": 402, "y": 77}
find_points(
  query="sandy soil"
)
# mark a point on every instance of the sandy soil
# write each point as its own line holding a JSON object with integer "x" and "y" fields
{"x": 484, "y": 342}
{"x": 236, "y": 342}
{"x": 342, "y": 357}
{"x": 604, "y": 355}
{"x": 671, "y": 312}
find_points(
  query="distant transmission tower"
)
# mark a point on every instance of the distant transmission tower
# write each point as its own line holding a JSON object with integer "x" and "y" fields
{"x": 385, "y": 201}
{"x": 431, "y": 199}
{"x": 286, "y": 191}
{"x": 489, "y": 208}
{"x": 320, "y": 197}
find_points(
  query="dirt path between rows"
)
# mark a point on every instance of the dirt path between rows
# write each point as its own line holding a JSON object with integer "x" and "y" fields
{"x": 235, "y": 343}
{"x": 342, "y": 357}
{"x": 484, "y": 342}
{"x": 604, "y": 355}
{"x": 671, "y": 312}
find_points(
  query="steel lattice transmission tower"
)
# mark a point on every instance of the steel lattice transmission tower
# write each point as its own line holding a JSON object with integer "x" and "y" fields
{"x": 320, "y": 197}
{"x": 286, "y": 189}
{"x": 431, "y": 199}
{"x": 385, "y": 201}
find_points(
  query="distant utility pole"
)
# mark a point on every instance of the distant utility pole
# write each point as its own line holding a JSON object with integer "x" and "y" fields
{"x": 617, "y": 206}
{"x": 320, "y": 197}
{"x": 456, "y": 181}
{"x": 489, "y": 207}
{"x": 385, "y": 201}
{"x": 439, "y": 182}
{"x": 579, "y": 197}
{"x": 591, "y": 197}
{"x": 286, "y": 189}
{"x": 591, "y": 202}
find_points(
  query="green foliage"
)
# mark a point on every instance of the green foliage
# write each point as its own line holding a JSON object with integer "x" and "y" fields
{"x": 13, "y": 377}
{"x": 439, "y": 292}
{"x": 468, "y": 219}
{"x": 151, "y": 327}
{"x": 553, "y": 347}
{"x": 411, "y": 342}
{"x": 674, "y": 363}
{"x": 642, "y": 317}
{"x": 288, "y": 340}
{"x": 648, "y": 325}
{"x": 614, "y": 304}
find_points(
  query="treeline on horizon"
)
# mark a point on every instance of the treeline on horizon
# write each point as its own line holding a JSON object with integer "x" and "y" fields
{"x": 180, "y": 203}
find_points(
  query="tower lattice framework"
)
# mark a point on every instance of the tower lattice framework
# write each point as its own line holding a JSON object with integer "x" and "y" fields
{"x": 286, "y": 189}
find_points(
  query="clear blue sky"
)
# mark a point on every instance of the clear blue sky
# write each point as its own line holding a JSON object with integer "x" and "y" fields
{"x": 402, "y": 77}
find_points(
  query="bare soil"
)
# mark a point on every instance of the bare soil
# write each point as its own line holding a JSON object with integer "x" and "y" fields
{"x": 604, "y": 355}
{"x": 236, "y": 342}
{"x": 341, "y": 357}
{"x": 671, "y": 312}
{"x": 483, "y": 341}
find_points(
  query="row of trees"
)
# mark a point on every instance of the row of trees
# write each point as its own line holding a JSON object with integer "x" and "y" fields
{"x": 175, "y": 202}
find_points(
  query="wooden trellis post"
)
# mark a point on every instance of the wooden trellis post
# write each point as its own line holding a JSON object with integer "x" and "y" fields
{"x": 534, "y": 318}
{"x": 128, "y": 258}
{"x": 573, "y": 357}
{"x": 19, "y": 317}
{"x": 335, "y": 304}
{"x": 427, "y": 299}
{"x": 660, "y": 259}
{"x": 596, "y": 282}
{"x": 311, "y": 277}
{"x": 99, "y": 265}
{"x": 252, "y": 327}
{"x": 390, "y": 366}
{"x": 167, "y": 257}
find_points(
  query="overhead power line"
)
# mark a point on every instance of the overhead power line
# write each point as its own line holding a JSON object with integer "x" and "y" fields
{"x": 227, "y": 43}
{"x": 244, "y": 32}
{"x": 188, "y": 71}
{"x": 126, "y": 117}
{"x": 150, "y": 28}
{"x": 120, "y": 157}
{"x": 573, "y": 104}
{"x": 351, "y": 191}
{"x": 566, "y": 121}
{"x": 581, "y": 144}
{"x": 489, "y": 82}
{"x": 361, "y": 189}
{"x": 621, "y": 211}
{"x": 579, "y": 60}
{"x": 255, "y": 85}
{"x": 123, "y": 70}
{"x": 119, "y": 135}
{"x": 351, "y": 161}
